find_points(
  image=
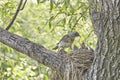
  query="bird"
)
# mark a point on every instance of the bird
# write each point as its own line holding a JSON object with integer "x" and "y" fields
{"x": 75, "y": 48}
{"x": 67, "y": 40}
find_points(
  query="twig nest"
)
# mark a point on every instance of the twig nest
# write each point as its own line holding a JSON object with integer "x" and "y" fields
{"x": 77, "y": 63}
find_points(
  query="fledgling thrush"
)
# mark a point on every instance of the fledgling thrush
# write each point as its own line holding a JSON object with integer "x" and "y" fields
{"x": 67, "y": 40}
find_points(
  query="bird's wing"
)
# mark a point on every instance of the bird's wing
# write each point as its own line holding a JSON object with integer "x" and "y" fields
{"x": 65, "y": 38}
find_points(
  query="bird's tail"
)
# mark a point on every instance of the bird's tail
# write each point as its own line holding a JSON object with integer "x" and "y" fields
{"x": 55, "y": 48}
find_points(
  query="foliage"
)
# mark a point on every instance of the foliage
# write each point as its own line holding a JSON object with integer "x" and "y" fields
{"x": 43, "y": 22}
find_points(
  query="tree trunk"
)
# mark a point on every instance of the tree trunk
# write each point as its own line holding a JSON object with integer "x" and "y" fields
{"x": 105, "y": 16}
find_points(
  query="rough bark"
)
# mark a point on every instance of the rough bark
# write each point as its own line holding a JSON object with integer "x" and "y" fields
{"x": 35, "y": 51}
{"x": 105, "y": 16}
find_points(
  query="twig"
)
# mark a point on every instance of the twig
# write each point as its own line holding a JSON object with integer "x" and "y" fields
{"x": 14, "y": 17}
{"x": 23, "y": 5}
{"x": 76, "y": 23}
{"x": 88, "y": 35}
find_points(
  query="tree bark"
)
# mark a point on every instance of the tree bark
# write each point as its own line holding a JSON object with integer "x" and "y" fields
{"x": 35, "y": 51}
{"x": 105, "y": 16}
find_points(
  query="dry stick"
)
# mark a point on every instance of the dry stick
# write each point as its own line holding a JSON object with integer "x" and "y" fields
{"x": 14, "y": 17}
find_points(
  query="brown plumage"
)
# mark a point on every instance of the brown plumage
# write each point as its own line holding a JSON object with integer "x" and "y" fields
{"x": 67, "y": 40}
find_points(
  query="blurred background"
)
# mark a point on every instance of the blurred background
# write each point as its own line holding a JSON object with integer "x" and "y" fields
{"x": 43, "y": 22}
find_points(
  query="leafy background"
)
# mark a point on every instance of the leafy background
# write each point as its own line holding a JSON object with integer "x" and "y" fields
{"x": 43, "y": 22}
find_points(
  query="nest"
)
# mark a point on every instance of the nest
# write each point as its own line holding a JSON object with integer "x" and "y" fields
{"x": 76, "y": 64}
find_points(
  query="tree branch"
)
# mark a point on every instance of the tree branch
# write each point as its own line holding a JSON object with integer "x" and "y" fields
{"x": 15, "y": 15}
{"x": 33, "y": 50}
